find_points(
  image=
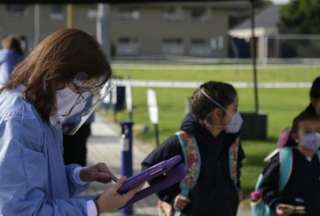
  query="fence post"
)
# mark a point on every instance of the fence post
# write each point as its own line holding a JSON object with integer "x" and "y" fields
{"x": 126, "y": 157}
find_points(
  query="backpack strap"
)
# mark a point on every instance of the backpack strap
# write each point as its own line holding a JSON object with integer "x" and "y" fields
{"x": 258, "y": 184}
{"x": 192, "y": 160}
{"x": 286, "y": 161}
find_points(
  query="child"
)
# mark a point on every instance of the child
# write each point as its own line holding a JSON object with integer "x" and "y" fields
{"x": 209, "y": 142}
{"x": 301, "y": 192}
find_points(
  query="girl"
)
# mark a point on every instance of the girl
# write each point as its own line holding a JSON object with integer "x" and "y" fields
{"x": 212, "y": 128}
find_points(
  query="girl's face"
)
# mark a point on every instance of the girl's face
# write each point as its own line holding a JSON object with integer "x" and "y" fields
{"x": 307, "y": 137}
{"x": 307, "y": 127}
{"x": 221, "y": 117}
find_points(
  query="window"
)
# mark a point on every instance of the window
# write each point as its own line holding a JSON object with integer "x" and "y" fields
{"x": 217, "y": 43}
{"x": 220, "y": 42}
{"x": 200, "y": 47}
{"x": 92, "y": 14}
{"x": 57, "y": 12}
{"x": 200, "y": 14}
{"x": 172, "y": 46}
{"x": 17, "y": 9}
{"x": 127, "y": 46}
{"x": 128, "y": 13}
{"x": 173, "y": 14}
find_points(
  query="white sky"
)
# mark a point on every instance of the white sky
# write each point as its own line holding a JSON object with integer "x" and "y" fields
{"x": 280, "y": 1}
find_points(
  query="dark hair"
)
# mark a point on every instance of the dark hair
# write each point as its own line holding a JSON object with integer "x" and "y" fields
{"x": 222, "y": 93}
{"x": 307, "y": 115}
{"x": 11, "y": 42}
{"x": 58, "y": 59}
{"x": 315, "y": 88}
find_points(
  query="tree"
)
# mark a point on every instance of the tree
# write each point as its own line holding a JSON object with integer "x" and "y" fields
{"x": 301, "y": 16}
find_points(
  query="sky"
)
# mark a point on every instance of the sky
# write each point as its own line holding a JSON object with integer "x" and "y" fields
{"x": 280, "y": 1}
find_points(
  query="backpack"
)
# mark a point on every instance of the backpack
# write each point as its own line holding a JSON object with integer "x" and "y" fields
{"x": 192, "y": 160}
{"x": 258, "y": 206}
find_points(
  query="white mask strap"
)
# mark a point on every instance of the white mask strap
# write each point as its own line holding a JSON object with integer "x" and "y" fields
{"x": 211, "y": 99}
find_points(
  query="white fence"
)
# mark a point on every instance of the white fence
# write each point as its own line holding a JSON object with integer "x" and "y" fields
{"x": 186, "y": 84}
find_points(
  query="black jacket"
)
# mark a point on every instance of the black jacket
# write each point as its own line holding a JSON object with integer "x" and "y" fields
{"x": 302, "y": 189}
{"x": 215, "y": 193}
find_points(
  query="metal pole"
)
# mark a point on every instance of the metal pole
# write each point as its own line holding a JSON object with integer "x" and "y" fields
{"x": 254, "y": 57}
{"x": 156, "y": 134}
{"x": 102, "y": 25}
{"x": 36, "y": 33}
{"x": 126, "y": 157}
{"x": 69, "y": 16}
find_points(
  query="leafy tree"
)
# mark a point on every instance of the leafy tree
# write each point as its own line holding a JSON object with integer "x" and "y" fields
{"x": 301, "y": 16}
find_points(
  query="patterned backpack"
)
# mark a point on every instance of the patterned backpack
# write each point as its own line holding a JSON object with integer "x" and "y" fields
{"x": 192, "y": 160}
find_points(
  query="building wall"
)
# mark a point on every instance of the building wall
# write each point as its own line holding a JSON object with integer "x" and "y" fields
{"x": 149, "y": 32}
{"x": 152, "y": 28}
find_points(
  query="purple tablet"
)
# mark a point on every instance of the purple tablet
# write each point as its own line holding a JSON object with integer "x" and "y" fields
{"x": 163, "y": 174}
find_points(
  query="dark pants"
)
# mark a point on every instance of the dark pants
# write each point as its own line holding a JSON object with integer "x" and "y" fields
{"x": 75, "y": 146}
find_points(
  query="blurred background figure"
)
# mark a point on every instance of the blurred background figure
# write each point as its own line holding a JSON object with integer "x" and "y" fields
{"x": 75, "y": 146}
{"x": 10, "y": 55}
{"x": 314, "y": 94}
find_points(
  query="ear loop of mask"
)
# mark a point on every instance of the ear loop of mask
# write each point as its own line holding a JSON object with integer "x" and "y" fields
{"x": 213, "y": 101}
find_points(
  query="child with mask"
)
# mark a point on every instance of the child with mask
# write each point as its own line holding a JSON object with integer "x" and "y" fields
{"x": 300, "y": 194}
{"x": 209, "y": 143}
{"x": 313, "y": 108}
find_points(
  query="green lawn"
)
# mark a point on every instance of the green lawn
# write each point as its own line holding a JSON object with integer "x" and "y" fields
{"x": 281, "y": 105}
{"x": 265, "y": 75}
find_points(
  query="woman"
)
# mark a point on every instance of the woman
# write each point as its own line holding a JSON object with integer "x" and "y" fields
{"x": 214, "y": 123}
{"x": 64, "y": 74}
{"x": 10, "y": 56}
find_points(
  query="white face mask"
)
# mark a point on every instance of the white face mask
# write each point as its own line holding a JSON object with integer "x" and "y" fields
{"x": 236, "y": 120}
{"x": 69, "y": 104}
{"x": 311, "y": 141}
{"x": 235, "y": 123}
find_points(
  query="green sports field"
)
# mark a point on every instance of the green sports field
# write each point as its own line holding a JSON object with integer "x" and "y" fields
{"x": 281, "y": 105}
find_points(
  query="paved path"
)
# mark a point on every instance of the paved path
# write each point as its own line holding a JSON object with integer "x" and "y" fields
{"x": 104, "y": 146}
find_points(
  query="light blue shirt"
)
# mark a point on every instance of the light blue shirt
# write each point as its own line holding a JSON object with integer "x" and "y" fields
{"x": 33, "y": 177}
{"x": 8, "y": 60}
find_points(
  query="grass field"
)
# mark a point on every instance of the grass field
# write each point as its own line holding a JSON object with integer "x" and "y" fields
{"x": 191, "y": 73}
{"x": 281, "y": 105}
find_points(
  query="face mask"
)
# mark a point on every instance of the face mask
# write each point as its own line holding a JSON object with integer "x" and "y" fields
{"x": 69, "y": 104}
{"x": 311, "y": 141}
{"x": 235, "y": 123}
{"x": 236, "y": 120}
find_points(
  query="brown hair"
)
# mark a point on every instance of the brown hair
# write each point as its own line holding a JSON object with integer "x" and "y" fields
{"x": 11, "y": 42}
{"x": 222, "y": 93}
{"x": 307, "y": 115}
{"x": 58, "y": 59}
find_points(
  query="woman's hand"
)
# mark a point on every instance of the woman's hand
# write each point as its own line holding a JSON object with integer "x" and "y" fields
{"x": 99, "y": 172}
{"x": 180, "y": 202}
{"x": 110, "y": 200}
{"x": 284, "y": 210}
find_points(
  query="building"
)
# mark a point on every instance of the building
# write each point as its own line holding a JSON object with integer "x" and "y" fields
{"x": 266, "y": 27}
{"x": 139, "y": 30}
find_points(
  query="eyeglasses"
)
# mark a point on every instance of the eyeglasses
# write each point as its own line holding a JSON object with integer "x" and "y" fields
{"x": 90, "y": 97}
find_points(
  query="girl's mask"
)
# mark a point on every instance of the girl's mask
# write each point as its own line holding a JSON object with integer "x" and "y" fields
{"x": 311, "y": 141}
